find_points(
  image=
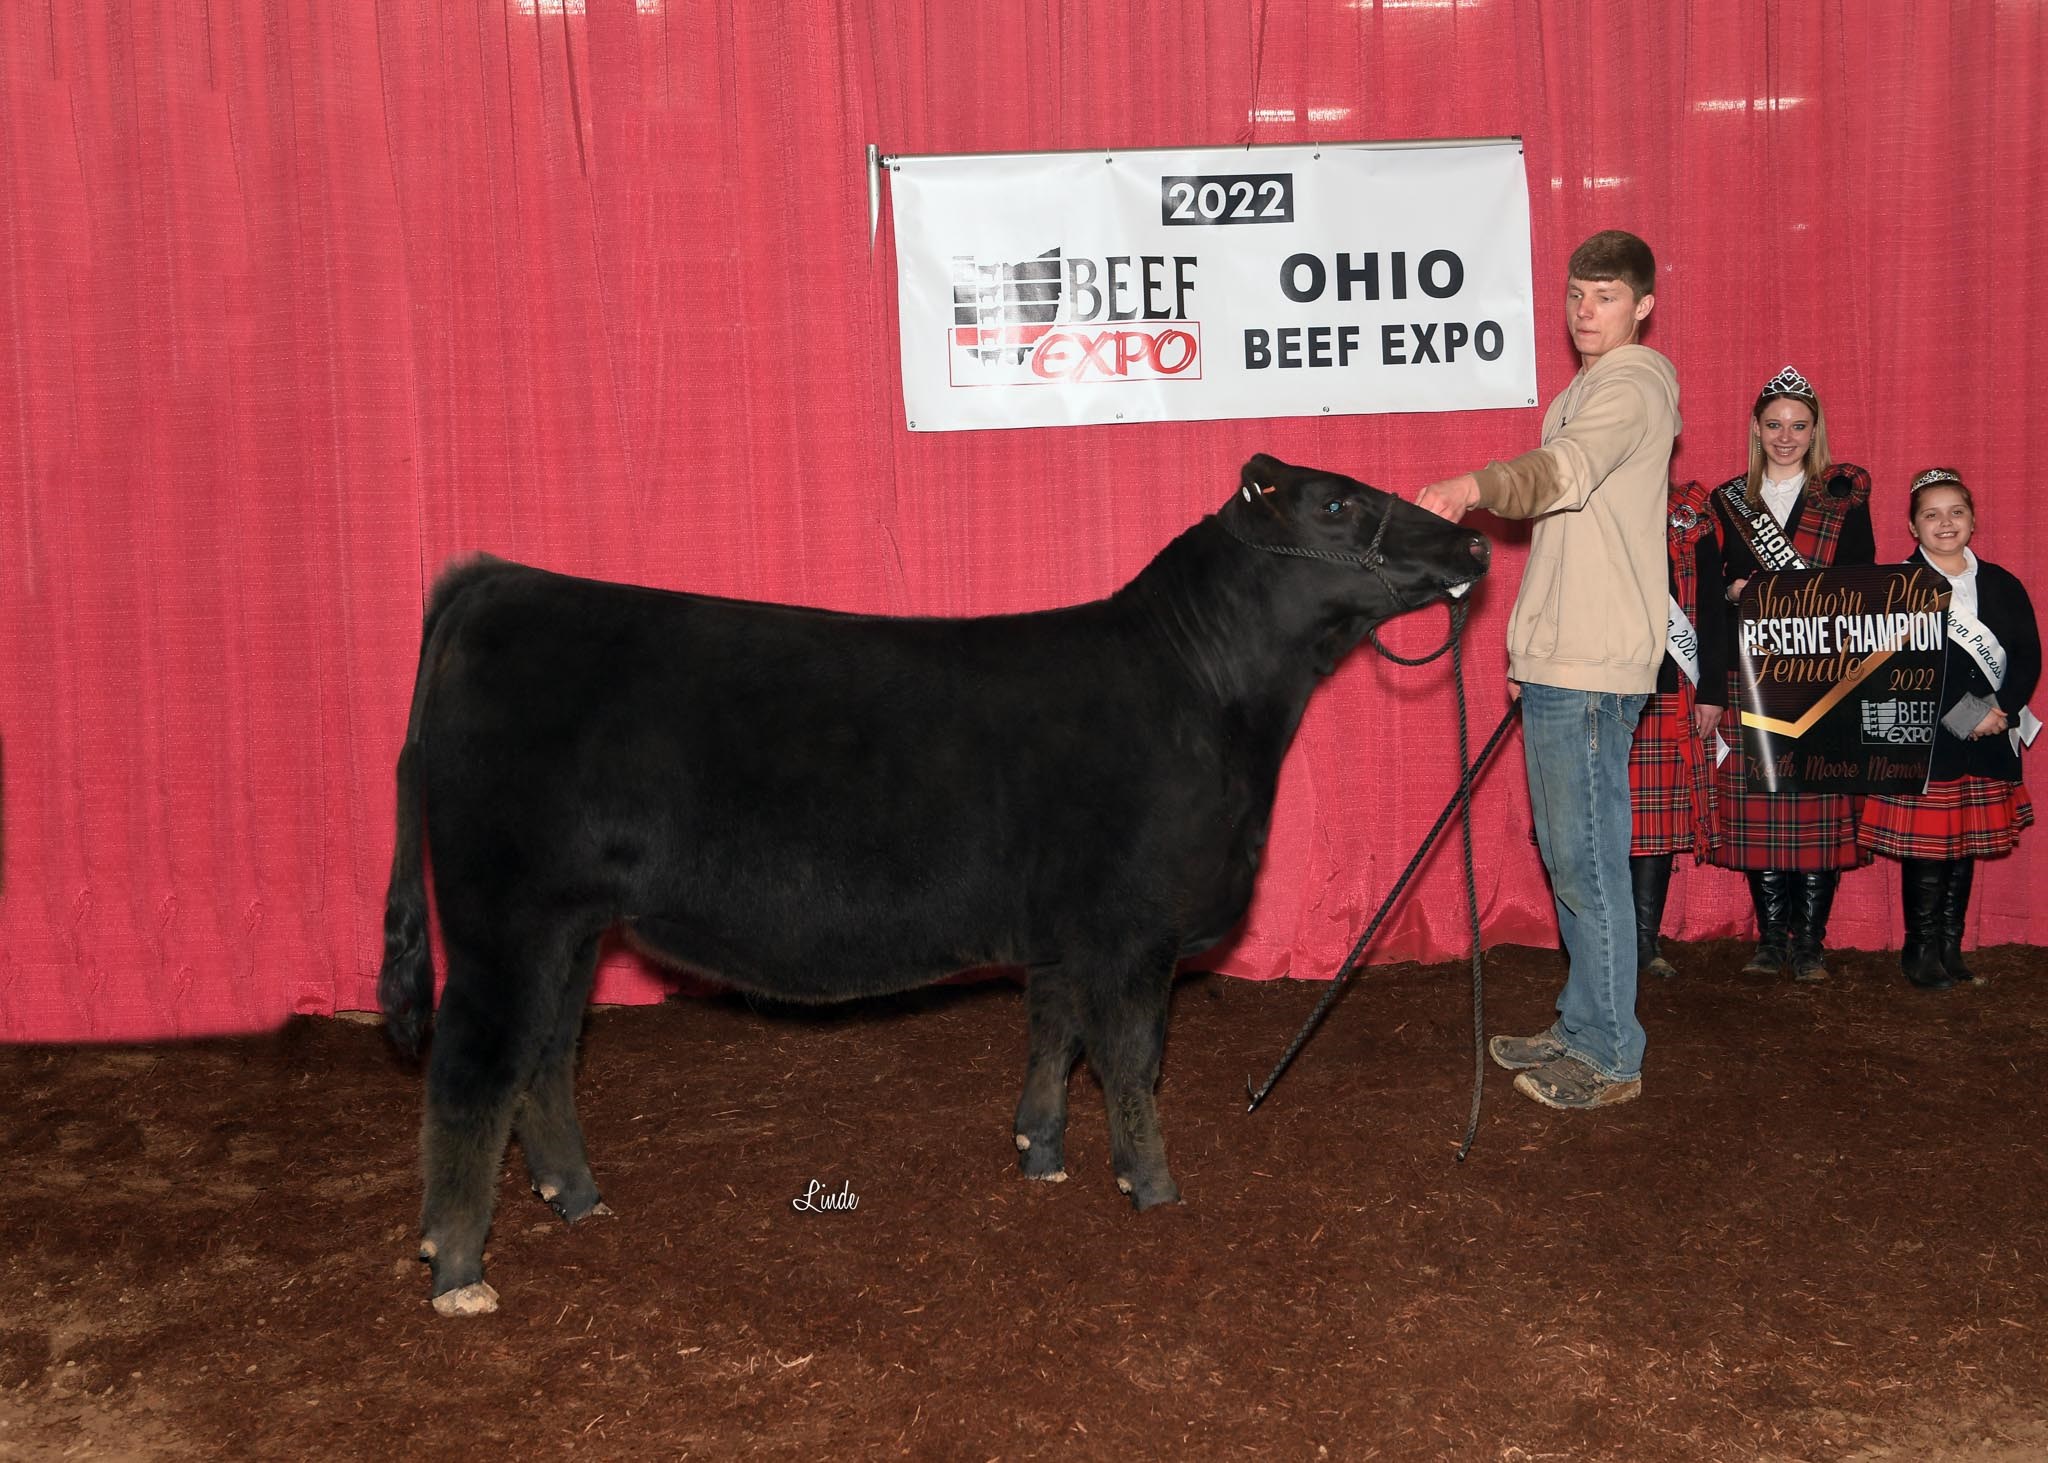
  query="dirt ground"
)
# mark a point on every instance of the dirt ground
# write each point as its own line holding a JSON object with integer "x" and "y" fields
{"x": 1818, "y": 1236}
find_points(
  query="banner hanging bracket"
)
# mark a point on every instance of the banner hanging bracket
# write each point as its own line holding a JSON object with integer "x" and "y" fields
{"x": 874, "y": 194}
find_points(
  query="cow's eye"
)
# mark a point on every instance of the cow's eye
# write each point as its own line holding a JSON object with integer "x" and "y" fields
{"x": 1335, "y": 506}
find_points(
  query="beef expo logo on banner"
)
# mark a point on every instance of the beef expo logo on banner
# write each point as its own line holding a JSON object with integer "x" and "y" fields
{"x": 1841, "y": 678}
{"x": 1048, "y": 289}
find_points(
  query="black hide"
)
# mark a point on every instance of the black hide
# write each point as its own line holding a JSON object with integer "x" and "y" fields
{"x": 817, "y": 806}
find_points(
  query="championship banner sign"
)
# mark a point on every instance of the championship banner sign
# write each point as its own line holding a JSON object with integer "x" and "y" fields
{"x": 1060, "y": 289}
{"x": 1840, "y": 674}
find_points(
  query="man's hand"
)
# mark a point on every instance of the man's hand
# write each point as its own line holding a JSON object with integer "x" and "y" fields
{"x": 1452, "y": 498}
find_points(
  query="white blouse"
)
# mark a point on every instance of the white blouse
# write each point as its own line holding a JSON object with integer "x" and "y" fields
{"x": 1962, "y": 596}
{"x": 1780, "y": 496}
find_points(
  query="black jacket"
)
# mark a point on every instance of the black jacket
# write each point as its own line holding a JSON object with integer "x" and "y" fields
{"x": 1857, "y": 544}
{"x": 2003, "y": 606}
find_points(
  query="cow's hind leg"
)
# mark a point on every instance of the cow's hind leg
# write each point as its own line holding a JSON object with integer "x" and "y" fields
{"x": 545, "y": 1122}
{"x": 1041, "y": 1128}
{"x": 495, "y": 1018}
{"x": 1123, "y": 1025}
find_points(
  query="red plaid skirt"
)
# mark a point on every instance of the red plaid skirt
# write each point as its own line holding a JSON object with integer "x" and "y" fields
{"x": 1801, "y": 832}
{"x": 1670, "y": 789}
{"x": 1970, "y": 817}
{"x": 1798, "y": 832}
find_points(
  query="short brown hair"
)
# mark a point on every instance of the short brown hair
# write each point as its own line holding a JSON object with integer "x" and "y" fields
{"x": 1616, "y": 254}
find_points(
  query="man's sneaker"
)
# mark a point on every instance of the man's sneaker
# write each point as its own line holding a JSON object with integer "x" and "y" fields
{"x": 1570, "y": 1083}
{"x": 1519, "y": 1053}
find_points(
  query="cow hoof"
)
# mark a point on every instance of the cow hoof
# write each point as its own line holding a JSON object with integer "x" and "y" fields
{"x": 467, "y": 1300}
{"x": 1149, "y": 1195}
{"x": 1047, "y": 1163}
{"x": 573, "y": 1207}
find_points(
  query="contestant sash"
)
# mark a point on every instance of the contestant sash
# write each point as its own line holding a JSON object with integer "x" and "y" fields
{"x": 1683, "y": 643}
{"x": 1760, "y": 532}
{"x": 1974, "y": 636}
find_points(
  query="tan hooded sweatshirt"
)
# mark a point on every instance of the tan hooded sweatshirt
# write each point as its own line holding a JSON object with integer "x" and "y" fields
{"x": 1592, "y": 610}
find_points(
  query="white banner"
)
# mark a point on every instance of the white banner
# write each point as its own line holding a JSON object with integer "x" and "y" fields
{"x": 1057, "y": 289}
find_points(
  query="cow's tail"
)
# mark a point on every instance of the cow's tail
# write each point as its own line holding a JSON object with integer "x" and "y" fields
{"x": 405, "y": 984}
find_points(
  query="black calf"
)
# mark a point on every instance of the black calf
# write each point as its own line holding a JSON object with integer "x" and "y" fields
{"x": 818, "y": 806}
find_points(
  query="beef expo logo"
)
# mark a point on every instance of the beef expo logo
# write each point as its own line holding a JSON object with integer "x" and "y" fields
{"x": 1062, "y": 320}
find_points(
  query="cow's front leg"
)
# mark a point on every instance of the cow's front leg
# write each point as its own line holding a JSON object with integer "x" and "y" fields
{"x": 1136, "y": 1146}
{"x": 1124, "y": 1027}
{"x": 1041, "y": 1128}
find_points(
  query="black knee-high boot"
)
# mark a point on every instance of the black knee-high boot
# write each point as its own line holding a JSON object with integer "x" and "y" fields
{"x": 1650, "y": 876}
{"x": 1955, "y": 909}
{"x": 1922, "y": 883}
{"x": 1770, "y": 890}
{"x": 1813, "y": 895}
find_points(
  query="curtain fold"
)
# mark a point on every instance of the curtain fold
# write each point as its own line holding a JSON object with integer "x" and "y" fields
{"x": 301, "y": 301}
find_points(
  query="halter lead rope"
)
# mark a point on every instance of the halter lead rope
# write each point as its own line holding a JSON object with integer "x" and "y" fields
{"x": 1461, "y": 800}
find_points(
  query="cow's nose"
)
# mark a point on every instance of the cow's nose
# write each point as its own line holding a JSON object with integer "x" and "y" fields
{"x": 1479, "y": 549}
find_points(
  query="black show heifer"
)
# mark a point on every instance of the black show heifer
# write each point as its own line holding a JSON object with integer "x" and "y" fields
{"x": 818, "y": 806}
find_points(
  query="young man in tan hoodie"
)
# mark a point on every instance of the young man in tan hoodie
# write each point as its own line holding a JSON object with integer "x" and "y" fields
{"x": 1584, "y": 641}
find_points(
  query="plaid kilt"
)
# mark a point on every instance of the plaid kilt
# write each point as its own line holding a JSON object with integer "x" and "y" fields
{"x": 1798, "y": 832}
{"x": 1794, "y": 832}
{"x": 1968, "y": 817}
{"x": 1670, "y": 791}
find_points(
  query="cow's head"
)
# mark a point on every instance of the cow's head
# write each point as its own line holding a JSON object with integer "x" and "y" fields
{"x": 1398, "y": 556}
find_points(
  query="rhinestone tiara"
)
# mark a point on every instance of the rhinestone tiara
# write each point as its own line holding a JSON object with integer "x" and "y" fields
{"x": 1788, "y": 382}
{"x": 1935, "y": 475}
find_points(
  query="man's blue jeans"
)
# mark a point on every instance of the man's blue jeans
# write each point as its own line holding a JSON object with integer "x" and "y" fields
{"x": 1576, "y": 744}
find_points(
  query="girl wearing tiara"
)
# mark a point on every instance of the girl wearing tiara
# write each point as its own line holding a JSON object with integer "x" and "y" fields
{"x": 1795, "y": 508}
{"x": 1974, "y": 806}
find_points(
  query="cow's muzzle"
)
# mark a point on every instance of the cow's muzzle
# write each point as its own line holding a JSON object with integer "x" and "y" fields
{"x": 1482, "y": 553}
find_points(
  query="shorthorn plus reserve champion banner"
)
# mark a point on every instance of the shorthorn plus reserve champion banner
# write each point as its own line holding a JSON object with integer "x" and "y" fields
{"x": 1048, "y": 289}
{"x": 1841, "y": 678}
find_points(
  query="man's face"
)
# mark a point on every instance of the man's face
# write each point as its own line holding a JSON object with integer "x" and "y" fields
{"x": 1603, "y": 314}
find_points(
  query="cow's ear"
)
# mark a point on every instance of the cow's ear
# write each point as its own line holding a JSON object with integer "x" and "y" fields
{"x": 1262, "y": 477}
{"x": 1262, "y": 473}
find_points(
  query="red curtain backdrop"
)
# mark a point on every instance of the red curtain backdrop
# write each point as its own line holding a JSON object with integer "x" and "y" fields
{"x": 300, "y": 299}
